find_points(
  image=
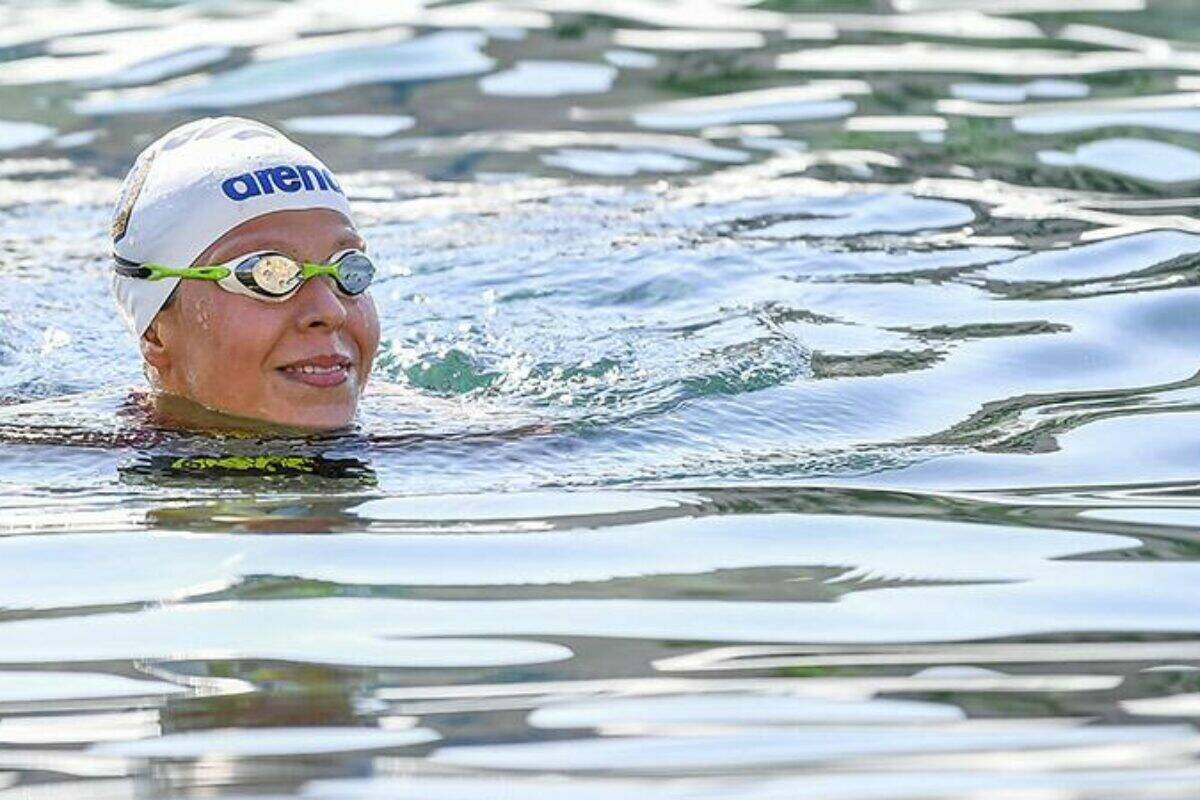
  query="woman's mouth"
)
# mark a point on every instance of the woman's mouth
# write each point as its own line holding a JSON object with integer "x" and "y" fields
{"x": 321, "y": 371}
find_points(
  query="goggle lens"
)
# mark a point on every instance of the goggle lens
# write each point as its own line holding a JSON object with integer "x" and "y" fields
{"x": 271, "y": 274}
{"x": 355, "y": 272}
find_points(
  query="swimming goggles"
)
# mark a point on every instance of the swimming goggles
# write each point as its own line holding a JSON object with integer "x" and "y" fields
{"x": 265, "y": 275}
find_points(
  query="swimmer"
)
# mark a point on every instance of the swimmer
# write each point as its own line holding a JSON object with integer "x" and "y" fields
{"x": 238, "y": 267}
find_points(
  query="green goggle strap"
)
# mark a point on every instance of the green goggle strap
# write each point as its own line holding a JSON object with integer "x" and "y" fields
{"x": 157, "y": 272}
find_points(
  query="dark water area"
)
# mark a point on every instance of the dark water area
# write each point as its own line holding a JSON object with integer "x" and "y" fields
{"x": 778, "y": 400}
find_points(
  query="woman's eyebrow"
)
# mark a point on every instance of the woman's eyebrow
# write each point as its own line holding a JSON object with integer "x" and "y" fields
{"x": 279, "y": 246}
{"x": 350, "y": 243}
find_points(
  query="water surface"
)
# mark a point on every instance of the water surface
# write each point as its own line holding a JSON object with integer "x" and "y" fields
{"x": 782, "y": 400}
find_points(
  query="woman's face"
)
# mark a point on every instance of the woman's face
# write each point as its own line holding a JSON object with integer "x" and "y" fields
{"x": 247, "y": 357}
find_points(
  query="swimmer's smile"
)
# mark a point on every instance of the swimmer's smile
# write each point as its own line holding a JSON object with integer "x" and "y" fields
{"x": 321, "y": 371}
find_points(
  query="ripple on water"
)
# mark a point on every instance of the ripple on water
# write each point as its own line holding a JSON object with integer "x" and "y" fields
{"x": 549, "y": 79}
{"x": 370, "y": 125}
{"x": 1045, "y": 88}
{"x": 854, "y": 215}
{"x": 15, "y": 135}
{"x": 438, "y": 55}
{"x": 266, "y": 742}
{"x": 819, "y": 100}
{"x": 883, "y": 319}
{"x": 758, "y": 748}
{"x": 1185, "y": 120}
{"x": 616, "y": 163}
{"x": 29, "y": 687}
{"x": 1138, "y": 158}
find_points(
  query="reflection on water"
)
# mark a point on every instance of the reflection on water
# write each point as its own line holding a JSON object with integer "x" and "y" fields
{"x": 791, "y": 399}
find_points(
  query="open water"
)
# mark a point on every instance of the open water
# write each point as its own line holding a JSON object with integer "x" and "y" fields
{"x": 785, "y": 400}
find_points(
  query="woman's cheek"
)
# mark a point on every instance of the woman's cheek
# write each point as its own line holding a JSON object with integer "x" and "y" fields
{"x": 367, "y": 331}
{"x": 247, "y": 336}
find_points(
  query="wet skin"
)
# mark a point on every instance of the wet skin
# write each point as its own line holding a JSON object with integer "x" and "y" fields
{"x": 231, "y": 353}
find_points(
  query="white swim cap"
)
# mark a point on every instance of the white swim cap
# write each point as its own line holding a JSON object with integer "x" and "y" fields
{"x": 194, "y": 185}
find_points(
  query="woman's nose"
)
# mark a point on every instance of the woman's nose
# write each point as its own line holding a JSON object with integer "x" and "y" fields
{"x": 320, "y": 305}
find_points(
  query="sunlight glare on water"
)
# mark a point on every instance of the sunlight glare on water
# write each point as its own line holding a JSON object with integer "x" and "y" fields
{"x": 780, "y": 399}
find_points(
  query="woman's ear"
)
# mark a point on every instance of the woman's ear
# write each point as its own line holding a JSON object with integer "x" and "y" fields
{"x": 154, "y": 350}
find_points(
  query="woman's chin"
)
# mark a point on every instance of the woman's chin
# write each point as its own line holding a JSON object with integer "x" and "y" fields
{"x": 183, "y": 412}
{"x": 323, "y": 405}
